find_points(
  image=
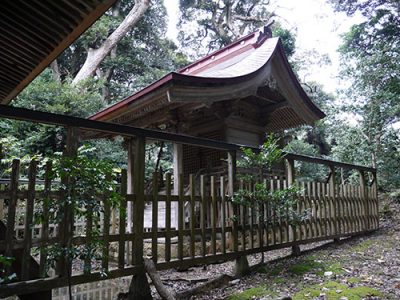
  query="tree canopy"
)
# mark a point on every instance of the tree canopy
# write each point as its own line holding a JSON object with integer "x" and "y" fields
{"x": 130, "y": 50}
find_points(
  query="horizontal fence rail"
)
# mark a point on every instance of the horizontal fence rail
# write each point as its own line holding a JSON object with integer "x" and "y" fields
{"x": 200, "y": 226}
{"x": 195, "y": 224}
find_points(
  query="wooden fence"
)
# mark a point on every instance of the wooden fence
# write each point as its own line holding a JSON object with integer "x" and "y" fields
{"x": 211, "y": 228}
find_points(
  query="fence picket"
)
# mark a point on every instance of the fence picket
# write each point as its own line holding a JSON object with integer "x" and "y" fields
{"x": 12, "y": 207}
{"x": 122, "y": 220}
{"x": 26, "y": 256}
{"x": 154, "y": 219}
{"x": 168, "y": 218}
{"x": 213, "y": 216}
{"x": 192, "y": 221}
{"x": 223, "y": 215}
{"x": 203, "y": 212}
{"x": 181, "y": 217}
{"x": 44, "y": 235}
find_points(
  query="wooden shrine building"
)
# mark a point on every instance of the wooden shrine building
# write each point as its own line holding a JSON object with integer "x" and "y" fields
{"x": 236, "y": 94}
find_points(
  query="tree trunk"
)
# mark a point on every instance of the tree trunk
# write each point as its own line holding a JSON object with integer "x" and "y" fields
{"x": 96, "y": 56}
{"x": 55, "y": 70}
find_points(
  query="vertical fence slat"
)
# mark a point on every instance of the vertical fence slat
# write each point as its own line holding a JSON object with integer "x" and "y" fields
{"x": 266, "y": 218}
{"x": 375, "y": 197}
{"x": 12, "y": 206}
{"x": 260, "y": 222}
{"x": 332, "y": 195}
{"x": 122, "y": 220}
{"x": 192, "y": 223}
{"x": 203, "y": 215}
{"x": 273, "y": 214}
{"x": 231, "y": 191}
{"x": 242, "y": 218}
{"x": 45, "y": 222}
{"x": 213, "y": 216}
{"x": 325, "y": 209}
{"x": 181, "y": 218}
{"x": 154, "y": 219}
{"x": 26, "y": 257}
{"x": 88, "y": 240}
{"x": 168, "y": 218}
{"x": 106, "y": 233}
{"x": 223, "y": 215}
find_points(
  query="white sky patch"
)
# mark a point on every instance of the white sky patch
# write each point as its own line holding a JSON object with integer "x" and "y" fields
{"x": 316, "y": 25}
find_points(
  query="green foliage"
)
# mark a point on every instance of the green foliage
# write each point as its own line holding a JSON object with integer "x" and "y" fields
{"x": 269, "y": 154}
{"x": 287, "y": 37}
{"x": 47, "y": 94}
{"x": 86, "y": 183}
{"x": 283, "y": 203}
{"x": 206, "y": 25}
{"x": 142, "y": 56}
{"x": 5, "y": 263}
{"x": 370, "y": 63}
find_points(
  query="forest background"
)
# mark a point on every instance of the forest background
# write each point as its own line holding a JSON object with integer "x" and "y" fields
{"x": 128, "y": 48}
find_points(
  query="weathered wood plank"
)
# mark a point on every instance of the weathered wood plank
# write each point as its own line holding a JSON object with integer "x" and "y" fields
{"x": 203, "y": 212}
{"x": 106, "y": 229}
{"x": 45, "y": 220}
{"x": 26, "y": 256}
{"x": 87, "y": 267}
{"x": 192, "y": 221}
{"x": 154, "y": 219}
{"x": 12, "y": 206}
{"x": 213, "y": 216}
{"x": 181, "y": 205}
{"x": 122, "y": 220}
{"x": 231, "y": 191}
{"x": 168, "y": 218}
{"x": 138, "y": 207}
{"x": 223, "y": 214}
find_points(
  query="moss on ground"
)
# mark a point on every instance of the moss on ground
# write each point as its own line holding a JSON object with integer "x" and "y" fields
{"x": 353, "y": 280}
{"x": 306, "y": 265}
{"x": 279, "y": 280}
{"x": 334, "y": 291}
{"x": 256, "y": 292}
{"x": 362, "y": 246}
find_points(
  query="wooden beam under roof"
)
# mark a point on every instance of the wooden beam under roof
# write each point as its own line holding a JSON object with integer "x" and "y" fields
{"x": 33, "y": 33}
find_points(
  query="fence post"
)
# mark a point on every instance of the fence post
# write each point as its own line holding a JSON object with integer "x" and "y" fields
{"x": 67, "y": 223}
{"x": 241, "y": 265}
{"x": 139, "y": 287}
{"x": 290, "y": 173}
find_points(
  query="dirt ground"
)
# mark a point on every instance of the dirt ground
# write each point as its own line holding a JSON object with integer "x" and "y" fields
{"x": 366, "y": 267}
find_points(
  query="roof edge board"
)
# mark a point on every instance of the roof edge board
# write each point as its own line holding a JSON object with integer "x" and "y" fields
{"x": 69, "y": 39}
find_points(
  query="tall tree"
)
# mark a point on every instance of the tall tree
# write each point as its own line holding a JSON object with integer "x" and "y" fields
{"x": 207, "y": 25}
{"x": 95, "y": 55}
{"x": 370, "y": 63}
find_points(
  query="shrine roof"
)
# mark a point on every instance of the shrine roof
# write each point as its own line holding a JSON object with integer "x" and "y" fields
{"x": 242, "y": 69}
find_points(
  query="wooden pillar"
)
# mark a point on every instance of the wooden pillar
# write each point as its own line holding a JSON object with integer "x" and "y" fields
{"x": 178, "y": 170}
{"x": 293, "y": 234}
{"x": 139, "y": 287}
{"x": 67, "y": 223}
